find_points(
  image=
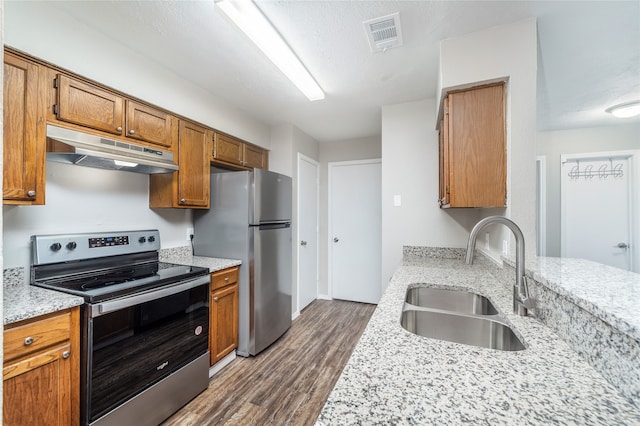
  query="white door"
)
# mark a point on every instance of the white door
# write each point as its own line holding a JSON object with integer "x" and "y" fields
{"x": 596, "y": 207}
{"x": 355, "y": 234}
{"x": 307, "y": 231}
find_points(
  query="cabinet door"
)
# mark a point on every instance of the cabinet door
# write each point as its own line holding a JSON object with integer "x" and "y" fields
{"x": 148, "y": 124}
{"x": 228, "y": 150}
{"x": 443, "y": 148}
{"x": 477, "y": 147}
{"x": 23, "y": 133}
{"x": 255, "y": 157}
{"x": 193, "y": 159}
{"x": 37, "y": 390}
{"x": 223, "y": 337}
{"x": 89, "y": 106}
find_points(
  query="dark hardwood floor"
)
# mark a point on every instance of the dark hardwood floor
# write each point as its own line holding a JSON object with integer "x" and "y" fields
{"x": 288, "y": 383}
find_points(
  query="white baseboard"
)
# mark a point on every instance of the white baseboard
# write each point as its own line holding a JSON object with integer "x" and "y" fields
{"x": 221, "y": 364}
{"x": 295, "y": 315}
{"x": 324, "y": 297}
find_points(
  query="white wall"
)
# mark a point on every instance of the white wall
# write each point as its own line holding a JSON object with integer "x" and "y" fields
{"x": 505, "y": 51}
{"x": 410, "y": 169}
{"x": 82, "y": 199}
{"x": 345, "y": 150}
{"x": 552, "y": 144}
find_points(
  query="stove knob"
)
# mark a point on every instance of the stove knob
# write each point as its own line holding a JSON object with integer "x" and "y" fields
{"x": 56, "y": 246}
{"x": 152, "y": 238}
{"x": 142, "y": 240}
{"x": 71, "y": 245}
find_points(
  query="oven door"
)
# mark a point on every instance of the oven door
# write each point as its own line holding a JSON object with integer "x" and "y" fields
{"x": 134, "y": 342}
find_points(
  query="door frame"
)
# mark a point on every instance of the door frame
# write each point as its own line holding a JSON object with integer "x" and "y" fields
{"x": 331, "y": 165}
{"x": 633, "y": 158}
{"x": 302, "y": 157}
{"x": 541, "y": 162}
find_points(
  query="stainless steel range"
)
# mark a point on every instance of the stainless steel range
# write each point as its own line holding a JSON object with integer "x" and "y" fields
{"x": 145, "y": 323}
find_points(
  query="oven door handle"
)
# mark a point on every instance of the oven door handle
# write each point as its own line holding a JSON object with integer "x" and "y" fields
{"x": 115, "y": 305}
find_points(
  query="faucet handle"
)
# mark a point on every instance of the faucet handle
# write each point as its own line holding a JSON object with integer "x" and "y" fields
{"x": 523, "y": 294}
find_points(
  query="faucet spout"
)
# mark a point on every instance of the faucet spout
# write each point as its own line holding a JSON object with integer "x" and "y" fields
{"x": 521, "y": 300}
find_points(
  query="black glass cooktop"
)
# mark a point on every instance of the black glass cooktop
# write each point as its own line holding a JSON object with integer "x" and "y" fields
{"x": 100, "y": 285}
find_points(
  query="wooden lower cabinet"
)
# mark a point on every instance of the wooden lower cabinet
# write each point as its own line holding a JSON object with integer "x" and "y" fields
{"x": 223, "y": 330}
{"x": 41, "y": 370}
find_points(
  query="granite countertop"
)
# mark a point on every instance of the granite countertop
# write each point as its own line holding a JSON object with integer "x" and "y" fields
{"x": 183, "y": 256}
{"x": 22, "y": 301}
{"x": 396, "y": 377}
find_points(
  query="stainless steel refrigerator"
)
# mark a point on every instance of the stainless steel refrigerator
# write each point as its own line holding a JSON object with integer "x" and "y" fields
{"x": 250, "y": 220}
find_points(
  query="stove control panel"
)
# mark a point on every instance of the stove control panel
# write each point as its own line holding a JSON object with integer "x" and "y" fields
{"x": 67, "y": 247}
{"x": 121, "y": 240}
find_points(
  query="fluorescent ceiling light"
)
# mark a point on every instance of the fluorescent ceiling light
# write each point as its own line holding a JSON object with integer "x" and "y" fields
{"x": 626, "y": 110}
{"x": 246, "y": 15}
{"x": 125, "y": 163}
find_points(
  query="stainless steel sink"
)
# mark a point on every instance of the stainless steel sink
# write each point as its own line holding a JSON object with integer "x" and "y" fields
{"x": 450, "y": 300}
{"x": 467, "y": 329}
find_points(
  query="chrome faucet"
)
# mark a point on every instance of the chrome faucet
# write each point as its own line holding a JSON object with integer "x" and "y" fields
{"x": 521, "y": 300}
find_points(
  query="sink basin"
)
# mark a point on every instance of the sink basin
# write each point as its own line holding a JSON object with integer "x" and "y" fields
{"x": 450, "y": 300}
{"x": 469, "y": 330}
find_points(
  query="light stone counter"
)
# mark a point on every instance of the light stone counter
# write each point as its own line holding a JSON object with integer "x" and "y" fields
{"x": 183, "y": 256}
{"x": 396, "y": 377}
{"x": 22, "y": 301}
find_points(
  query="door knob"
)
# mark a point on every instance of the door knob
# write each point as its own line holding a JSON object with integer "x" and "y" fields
{"x": 622, "y": 245}
{"x": 303, "y": 243}
{"x": 335, "y": 239}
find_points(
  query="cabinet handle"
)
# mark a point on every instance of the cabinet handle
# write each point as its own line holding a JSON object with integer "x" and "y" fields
{"x": 226, "y": 279}
{"x": 66, "y": 354}
{"x": 29, "y": 340}
{"x": 215, "y": 299}
{"x": 31, "y": 193}
{"x": 182, "y": 201}
{"x": 132, "y": 132}
{"x": 119, "y": 128}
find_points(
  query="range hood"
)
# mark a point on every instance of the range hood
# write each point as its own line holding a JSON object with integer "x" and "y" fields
{"x": 83, "y": 149}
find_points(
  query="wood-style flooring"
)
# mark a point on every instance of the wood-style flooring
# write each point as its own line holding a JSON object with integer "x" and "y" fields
{"x": 290, "y": 381}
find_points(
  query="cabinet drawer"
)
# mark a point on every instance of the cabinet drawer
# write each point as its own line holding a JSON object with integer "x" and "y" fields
{"x": 223, "y": 278}
{"x": 36, "y": 335}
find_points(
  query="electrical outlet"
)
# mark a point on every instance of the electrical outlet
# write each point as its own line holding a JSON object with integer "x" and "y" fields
{"x": 189, "y": 233}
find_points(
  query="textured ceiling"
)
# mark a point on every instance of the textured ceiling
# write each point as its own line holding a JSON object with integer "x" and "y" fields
{"x": 589, "y": 55}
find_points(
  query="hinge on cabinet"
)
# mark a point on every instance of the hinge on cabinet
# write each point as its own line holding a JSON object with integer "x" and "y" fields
{"x": 55, "y": 83}
{"x": 55, "y": 109}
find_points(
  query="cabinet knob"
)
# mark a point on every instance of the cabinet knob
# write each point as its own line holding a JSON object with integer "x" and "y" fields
{"x": 66, "y": 354}
{"x": 182, "y": 201}
{"x": 119, "y": 128}
{"x": 29, "y": 340}
{"x": 31, "y": 193}
{"x": 215, "y": 299}
{"x": 132, "y": 132}
{"x": 226, "y": 279}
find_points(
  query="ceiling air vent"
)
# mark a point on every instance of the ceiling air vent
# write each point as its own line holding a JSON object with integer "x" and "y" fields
{"x": 384, "y": 33}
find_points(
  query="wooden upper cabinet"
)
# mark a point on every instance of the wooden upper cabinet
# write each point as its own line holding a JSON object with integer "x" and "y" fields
{"x": 473, "y": 148}
{"x": 23, "y": 133}
{"x": 149, "y": 124}
{"x": 88, "y": 105}
{"x": 234, "y": 152}
{"x": 255, "y": 157}
{"x": 190, "y": 186}
{"x": 193, "y": 178}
